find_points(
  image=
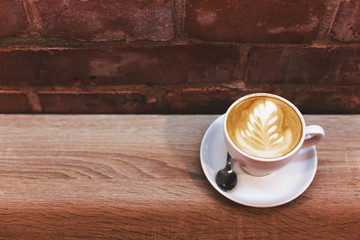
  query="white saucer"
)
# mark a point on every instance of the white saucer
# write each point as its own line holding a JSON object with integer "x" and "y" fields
{"x": 272, "y": 190}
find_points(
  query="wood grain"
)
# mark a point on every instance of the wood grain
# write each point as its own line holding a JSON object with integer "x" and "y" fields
{"x": 139, "y": 177}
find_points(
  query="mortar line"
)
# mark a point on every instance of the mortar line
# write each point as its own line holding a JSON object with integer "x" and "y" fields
{"x": 26, "y": 11}
{"x": 179, "y": 14}
{"x": 33, "y": 100}
{"x": 326, "y": 22}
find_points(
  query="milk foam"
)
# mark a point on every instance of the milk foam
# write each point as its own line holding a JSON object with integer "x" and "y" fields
{"x": 264, "y": 127}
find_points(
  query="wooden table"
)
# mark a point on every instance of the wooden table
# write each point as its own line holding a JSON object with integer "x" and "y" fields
{"x": 139, "y": 177}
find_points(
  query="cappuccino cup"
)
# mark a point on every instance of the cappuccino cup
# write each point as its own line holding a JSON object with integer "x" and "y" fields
{"x": 263, "y": 132}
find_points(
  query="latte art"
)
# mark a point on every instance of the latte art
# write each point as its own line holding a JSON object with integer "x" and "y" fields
{"x": 264, "y": 127}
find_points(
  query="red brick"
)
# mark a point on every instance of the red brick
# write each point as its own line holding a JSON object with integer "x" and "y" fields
{"x": 126, "y": 101}
{"x": 327, "y": 100}
{"x": 107, "y": 20}
{"x": 346, "y": 26}
{"x": 118, "y": 65}
{"x": 309, "y": 99}
{"x": 304, "y": 65}
{"x": 12, "y": 17}
{"x": 254, "y": 20}
{"x": 14, "y": 102}
{"x": 214, "y": 100}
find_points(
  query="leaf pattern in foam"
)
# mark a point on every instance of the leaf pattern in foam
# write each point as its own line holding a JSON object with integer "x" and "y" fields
{"x": 262, "y": 126}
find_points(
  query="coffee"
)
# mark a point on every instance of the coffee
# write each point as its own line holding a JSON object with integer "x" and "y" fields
{"x": 264, "y": 126}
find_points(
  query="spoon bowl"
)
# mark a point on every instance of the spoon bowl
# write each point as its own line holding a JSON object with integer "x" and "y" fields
{"x": 226, "y": 178}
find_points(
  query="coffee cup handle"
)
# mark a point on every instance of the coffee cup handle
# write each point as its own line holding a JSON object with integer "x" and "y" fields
{"x": 313, "y": 135}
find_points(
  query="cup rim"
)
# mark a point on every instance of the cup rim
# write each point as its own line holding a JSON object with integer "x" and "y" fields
{"x": 289, "y": 154}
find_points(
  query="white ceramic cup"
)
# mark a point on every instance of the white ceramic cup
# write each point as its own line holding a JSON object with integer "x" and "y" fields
{"x": 256, "y": 166}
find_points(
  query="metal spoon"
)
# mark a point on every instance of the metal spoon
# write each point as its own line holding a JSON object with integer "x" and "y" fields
{"x": 226, "y": 178}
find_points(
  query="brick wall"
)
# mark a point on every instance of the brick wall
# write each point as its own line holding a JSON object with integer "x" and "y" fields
{"x": 179, "y": 56}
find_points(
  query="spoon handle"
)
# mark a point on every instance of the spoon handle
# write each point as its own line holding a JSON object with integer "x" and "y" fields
{"x": 228, "y": 162}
